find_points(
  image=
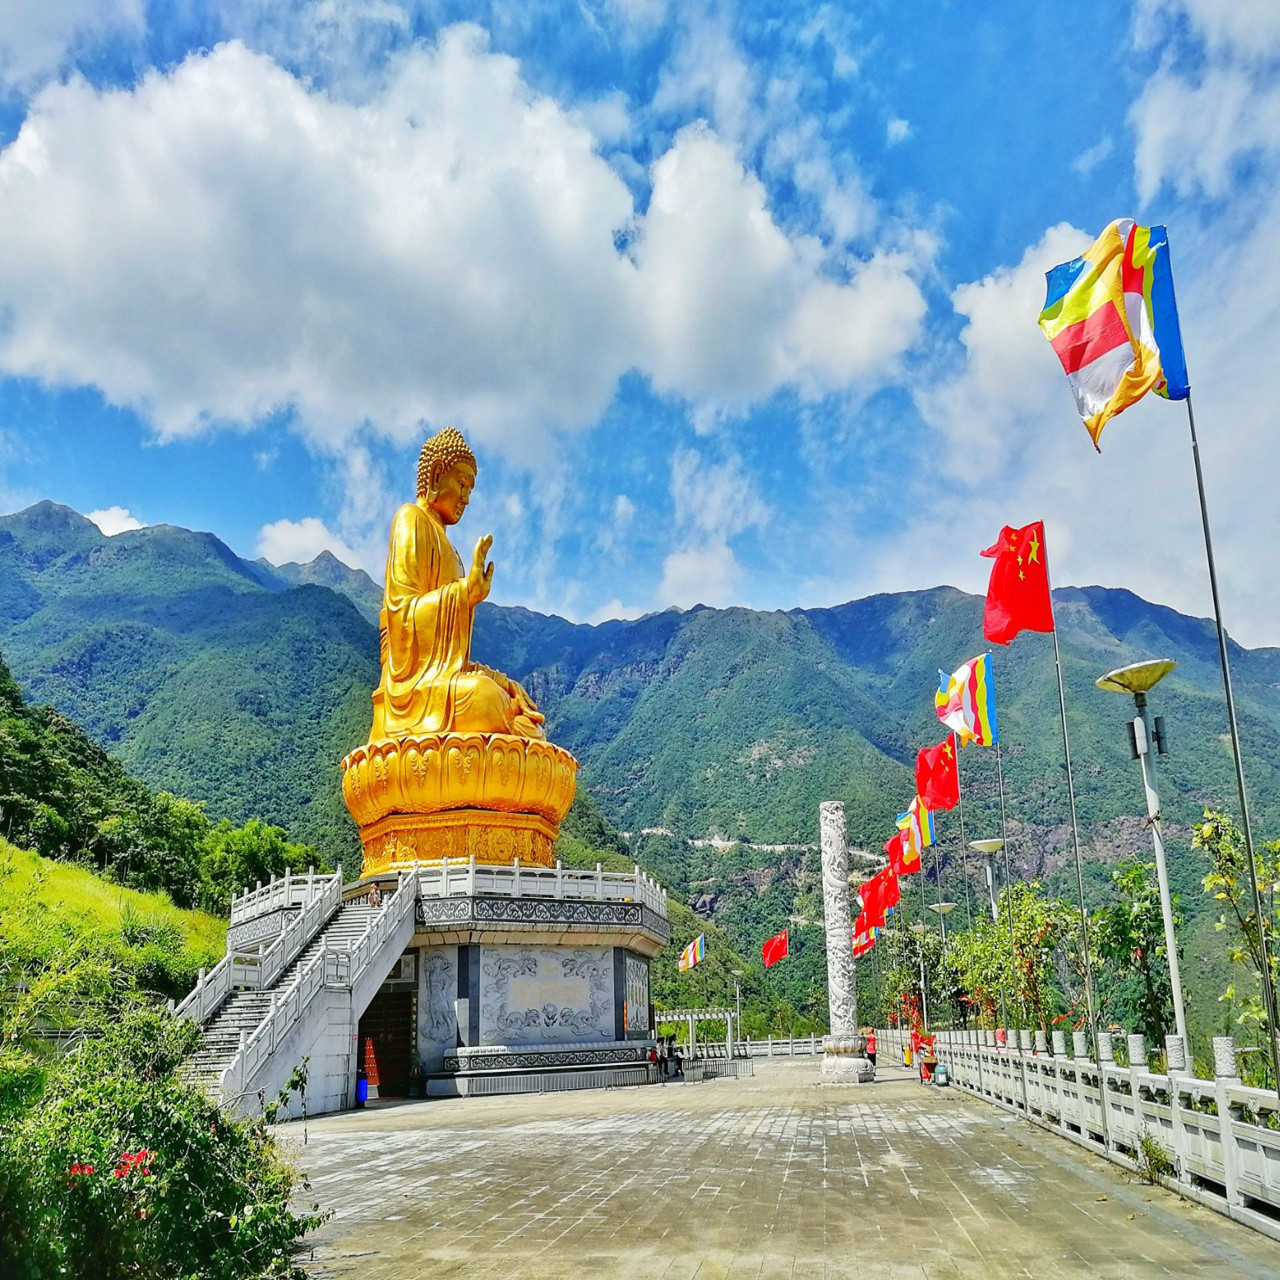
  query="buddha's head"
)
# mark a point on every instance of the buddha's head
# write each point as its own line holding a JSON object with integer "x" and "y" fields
{"x": 446, "y": 474}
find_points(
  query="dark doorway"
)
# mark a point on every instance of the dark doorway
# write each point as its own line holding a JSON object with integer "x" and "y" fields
{"x": 386, "y": 1043}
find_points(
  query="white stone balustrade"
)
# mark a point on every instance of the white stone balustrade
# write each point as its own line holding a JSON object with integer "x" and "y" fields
{"x": 1218, "y": 1133}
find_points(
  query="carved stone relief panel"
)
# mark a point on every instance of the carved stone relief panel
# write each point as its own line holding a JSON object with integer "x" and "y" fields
{"x": 545, "y": 995}
{"x": 437, "y": 1008}
{"x": 637, "y": 994}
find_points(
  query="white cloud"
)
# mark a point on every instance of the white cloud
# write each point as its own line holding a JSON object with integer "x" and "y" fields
{"x": 113, "y": 520}
{"x": 897, "y": 131}
{"x": 1009, "y": 374}
{"x": 1193, "y": 136}
{"x": 1091, "y": 157}
{"x": 706, "y": 574}
{"x": 712, "y": 502}
{"x": 608, "y": 117}
{"x": 708, "y": 74}
{"x": 300, "y": 541}
{"x": 736, "y": 308}
{"x": 220, "y": 243}
{"x": 1249, "y": 29}
{"x": 39, "y": 38}
{"x": 612, "y": 609}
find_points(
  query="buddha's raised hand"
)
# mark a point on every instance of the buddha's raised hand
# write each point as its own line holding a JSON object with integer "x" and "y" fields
{"x": 480, "y": 578}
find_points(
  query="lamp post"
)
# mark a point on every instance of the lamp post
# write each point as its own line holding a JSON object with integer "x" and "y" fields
{"x": 944, "y": 909}
{"x": 1145, "y": 735}
{"x": 737, "y": 996}
{"x": 989, "y": 849}
{"x": 920, "y": 930}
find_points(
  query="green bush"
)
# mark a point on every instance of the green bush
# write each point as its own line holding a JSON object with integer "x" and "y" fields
{"x": 119, "y": 1168}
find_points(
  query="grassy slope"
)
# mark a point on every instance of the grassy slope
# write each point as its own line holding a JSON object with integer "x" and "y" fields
{"x": 75, "y": 903}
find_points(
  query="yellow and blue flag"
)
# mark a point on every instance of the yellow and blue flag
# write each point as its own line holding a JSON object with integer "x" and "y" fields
{"x": 966, "y": 702}
{"x": 694, "y": 952}
{"x": 1111, "y": 319}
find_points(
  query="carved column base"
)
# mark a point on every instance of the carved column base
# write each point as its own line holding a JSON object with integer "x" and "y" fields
{"x": 844, "y": 1060}
{"x": 401, "y": 839}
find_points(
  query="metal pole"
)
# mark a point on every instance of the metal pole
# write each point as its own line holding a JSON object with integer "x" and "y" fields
{"x": 924, "y": 994}
{"x": 991, "y": 887}
{"x": 1075, "y": 844}
{"x": 1268, "y": 991}
{"x": 1013, "y": 950}
{"x": 964, "y": 847}
{"x": 1145, "y": 743}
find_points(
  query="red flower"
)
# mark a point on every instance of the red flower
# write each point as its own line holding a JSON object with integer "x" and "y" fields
{"x": 134, "y": 1160}
{"x": 80, "y": 1170}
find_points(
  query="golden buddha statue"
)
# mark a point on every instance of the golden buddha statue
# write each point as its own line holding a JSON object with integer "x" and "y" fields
{"x": 457, "y": 764}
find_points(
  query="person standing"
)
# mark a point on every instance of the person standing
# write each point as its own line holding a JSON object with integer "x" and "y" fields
{"x": 871, "y": 1046}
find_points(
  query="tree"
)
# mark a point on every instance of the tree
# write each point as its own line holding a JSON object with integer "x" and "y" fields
{"x": 238, "y": 857}
{"x": 1227, "y": 879}
{"x": 1129, "y": 938}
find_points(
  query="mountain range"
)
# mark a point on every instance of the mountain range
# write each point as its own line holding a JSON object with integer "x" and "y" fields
{"x": 242, "y": 684}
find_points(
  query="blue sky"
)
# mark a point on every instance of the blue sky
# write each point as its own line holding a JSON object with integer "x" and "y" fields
{"x": 736, "y": 303}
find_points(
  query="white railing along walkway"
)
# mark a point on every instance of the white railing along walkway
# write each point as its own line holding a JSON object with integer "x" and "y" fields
{"x": 1223, "y": 1138}
{"x": 469, "y": 879}
{"x": 237, "y": 970}
{"x": 285, "y": 891}
{"x": 290, "y": 1006}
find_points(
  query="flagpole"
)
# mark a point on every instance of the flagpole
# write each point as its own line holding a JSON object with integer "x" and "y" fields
{"x": 1075, "y": 840}
{"x": 1268, "y": 990}
{"x": 964, "y": 855}
{"x": 1013, "y": 948}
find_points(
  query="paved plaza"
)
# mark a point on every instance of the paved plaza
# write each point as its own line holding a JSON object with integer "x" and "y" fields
{"x": 775, "y": 1176}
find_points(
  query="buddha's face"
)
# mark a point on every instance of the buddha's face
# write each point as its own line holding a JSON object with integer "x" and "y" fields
{"x": 452, "y": 493}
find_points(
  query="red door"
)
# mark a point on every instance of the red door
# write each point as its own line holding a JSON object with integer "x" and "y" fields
{"x": 386, "y": 1042}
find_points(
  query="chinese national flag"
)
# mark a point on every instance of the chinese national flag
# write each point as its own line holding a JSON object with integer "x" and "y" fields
{"x": 775, "y": 949}
{"x": 878, "y": 895}
{"x": 1018, "y": 593}
{"x": 903, "y": 859}
{"x": 937, "y": 782}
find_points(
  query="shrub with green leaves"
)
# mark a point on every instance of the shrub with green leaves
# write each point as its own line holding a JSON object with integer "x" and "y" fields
{"x": 120, "y": 1168}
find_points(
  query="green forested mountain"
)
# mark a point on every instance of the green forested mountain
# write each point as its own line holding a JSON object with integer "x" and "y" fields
{"x": 216, "y": 678}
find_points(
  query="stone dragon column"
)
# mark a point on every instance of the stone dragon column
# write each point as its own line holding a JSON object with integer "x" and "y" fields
{"x": 844, "y": 1050}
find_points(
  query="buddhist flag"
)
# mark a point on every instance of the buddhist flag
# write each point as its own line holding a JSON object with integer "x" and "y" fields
{"x": 903, "y": 859}
{"x": 878, "y": 894}
{"x": 693, "y": 953}
{"x": 864, "y": 938}
{"x": 775, "y": 949}
{"x": 917, "y": 824}
{"x": 937, "y": 780}
{"x": 1018, "y": 593}
{"x": 1112, "y": 321}
{"x": 966, "y": 702}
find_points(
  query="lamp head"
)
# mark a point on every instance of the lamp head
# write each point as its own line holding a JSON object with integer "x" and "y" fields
{"x": 987, "y": 846}
{"x": 942, "y": 908}
{"x": 1137, "y": 677}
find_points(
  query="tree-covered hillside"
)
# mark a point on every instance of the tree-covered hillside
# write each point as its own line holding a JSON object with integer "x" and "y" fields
{"x": 216, "y": 678}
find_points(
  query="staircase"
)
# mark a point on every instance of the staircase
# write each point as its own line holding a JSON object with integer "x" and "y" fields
{"x": 262, "y": 1014}
{"x": 243, "y": 1012}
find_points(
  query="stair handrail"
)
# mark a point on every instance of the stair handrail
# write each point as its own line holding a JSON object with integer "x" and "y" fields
{"x": 288, "y": 1006}
{"x": 301, "y": 929}
{"x": 396, "y": 907}
{"x": 284, "y": 891}
{"x": 212, "y": 988}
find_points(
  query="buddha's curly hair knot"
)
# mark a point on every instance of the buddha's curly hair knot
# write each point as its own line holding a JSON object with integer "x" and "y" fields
{"x": 446, "y": 448}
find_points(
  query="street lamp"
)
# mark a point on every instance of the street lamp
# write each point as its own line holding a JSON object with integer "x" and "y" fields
{"x": 737, "y": 994}
{"x": 1139, "y": 679}
{"x": 944, "y": 909}
{"x": 920, "y": 930}
{"x": 989, "y": 849}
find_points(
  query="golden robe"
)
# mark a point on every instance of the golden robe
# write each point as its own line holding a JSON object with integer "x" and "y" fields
{"x": 429, "y": 683}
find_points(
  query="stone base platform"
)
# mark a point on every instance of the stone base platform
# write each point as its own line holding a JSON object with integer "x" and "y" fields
{"x": 493, "y": 1069}
{"x": 518, "y": 980}
{"x": 845, "y": 1061}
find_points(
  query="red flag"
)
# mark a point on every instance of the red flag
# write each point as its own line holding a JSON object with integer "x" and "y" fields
{"x": 937, "y": 782}
{"x": 903, "y": 859}
{"x": 1018, "y": 593}
{"x": 878, "y": 895}
{"x": 775, "y": 949}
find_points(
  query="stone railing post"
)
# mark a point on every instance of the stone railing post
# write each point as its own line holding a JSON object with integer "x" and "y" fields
{"x": 1059, "y": 1044}
{"x": 1106, "y": 1062}
{"x": 1175, "y": 1052}
{"x": 1225, "y": 1076}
